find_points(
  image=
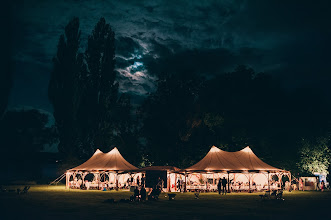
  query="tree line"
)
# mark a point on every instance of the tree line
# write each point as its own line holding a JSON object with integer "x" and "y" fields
{"x": 88, "y": 109}
{"x": 187, "y": 114}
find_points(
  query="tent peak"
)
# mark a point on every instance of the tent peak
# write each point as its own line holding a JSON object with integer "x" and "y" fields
{"x": 114, "y": 150}
{"x": 111, "y": 161}
{"x": 98, "y": 151}
{"x": 214, "y": 149}
{"x": 247, "y": 149}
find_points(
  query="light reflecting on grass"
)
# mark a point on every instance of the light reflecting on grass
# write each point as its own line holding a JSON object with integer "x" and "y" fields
{"x": 56, "y": 201}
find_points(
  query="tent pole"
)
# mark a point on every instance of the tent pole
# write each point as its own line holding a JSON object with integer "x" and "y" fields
{"x": 98, "y": 179}
{"x": 280, "y": 181}
{"x": 185, "y": 182}
{"x": 290, "y": 179}
{"x": 116, "y": 181}
{"x": 84, "y": 175}
{"x": 268, "y": 182}
{"x": 83, "y": 179}
{"x": 249, "y": 182}
{"x": 67, "y": 179}
{"x": 175, "y": 182}
{"x": 228, "y": 181}
{"x": 109, "y": 177}
{"x": 169, "y": 182}
{"x": 74, "y": 177}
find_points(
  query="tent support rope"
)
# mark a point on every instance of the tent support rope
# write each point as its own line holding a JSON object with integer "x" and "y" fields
{"x": 57, "y": 179}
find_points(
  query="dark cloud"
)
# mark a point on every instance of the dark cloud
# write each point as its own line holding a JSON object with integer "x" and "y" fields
{"x": 127, "y": 47}
{"x": 203, "y": 61}
{"x": 287, "y": 39}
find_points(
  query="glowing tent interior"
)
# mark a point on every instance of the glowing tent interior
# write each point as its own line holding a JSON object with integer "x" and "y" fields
{"x": 243, "y": 170}
{"x": 169, "y": 175}
{"x": 106, "y": 168}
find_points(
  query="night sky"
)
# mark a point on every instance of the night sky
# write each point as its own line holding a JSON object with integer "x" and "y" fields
{"x": 288, "y": 39}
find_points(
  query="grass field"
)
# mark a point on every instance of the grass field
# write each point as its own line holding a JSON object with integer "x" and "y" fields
{"x": 54, "y": 202}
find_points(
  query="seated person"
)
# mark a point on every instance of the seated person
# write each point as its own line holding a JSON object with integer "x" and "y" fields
{"x": 154, "y": 195}
{"x": 273, "y": 193}
{"x": 103, "y": 187}
{"x": 136, "y": 194}
{"x": 158, "y": 191}
{"x": 151, "y": 195}
{"x": 82, "y": 186}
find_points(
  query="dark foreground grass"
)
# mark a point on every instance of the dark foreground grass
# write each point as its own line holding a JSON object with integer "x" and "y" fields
{"x": 54, "y": 202}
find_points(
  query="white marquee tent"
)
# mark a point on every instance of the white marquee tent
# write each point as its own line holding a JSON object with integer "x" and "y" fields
{"x": 102, "y": 165}
{"x": 242, "y": 168}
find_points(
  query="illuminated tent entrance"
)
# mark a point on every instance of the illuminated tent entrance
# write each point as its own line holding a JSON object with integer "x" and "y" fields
{"x": 243, "y": 170}
{"x": 102, "y": 170}
{"x": 169, "y": 174}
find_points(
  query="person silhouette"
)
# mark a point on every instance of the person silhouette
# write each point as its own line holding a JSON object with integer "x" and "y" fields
{"x": 136, "y": 195}
{"x": 219, "y": 186}
{"x": 143, "y": 194}
{"x": 138, "y": 181}
{"x": 143, "y": 179}
{"x": 179, "y": 185}
{"x": 322, "y": 185}
{"x": 224, "y": 182}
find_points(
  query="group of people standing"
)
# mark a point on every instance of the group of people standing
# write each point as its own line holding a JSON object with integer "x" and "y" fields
{"x": 139, "y": 193}
{"x": 139, "y": 181}
{"x": 320, "y": 185}
{"x": 221, "y": 186}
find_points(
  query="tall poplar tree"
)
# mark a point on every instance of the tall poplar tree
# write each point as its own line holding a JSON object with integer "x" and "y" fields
{"x": 64, "y": 90}
{"x": 100, "y": 90}
{"x": 88, "y": 109}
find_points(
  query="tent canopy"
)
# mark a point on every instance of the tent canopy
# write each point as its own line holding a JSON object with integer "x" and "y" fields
{"x": 111, "y": 161}
{"x": 223, "y": 161}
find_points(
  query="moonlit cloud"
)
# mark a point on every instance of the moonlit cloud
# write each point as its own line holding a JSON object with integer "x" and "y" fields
{"x": 289, "y": 40}
{"x": 135, "y": 79}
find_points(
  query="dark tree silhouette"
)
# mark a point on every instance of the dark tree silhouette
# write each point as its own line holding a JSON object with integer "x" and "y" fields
{"x": 169, "y": 119}
{"x": 5, "y": 86}
{"x": 252, "y": 109}
{"x": 64, "y": 91}
{"x": 23, "y": 133}
{"x": 231, "y": 111}
{"x": 6, "y": 77}
{"x": 88, "y": 109}
{"x": 184, "y": 117}
{"x": 127, "y": 130}
{"x": 26, "y": 131}
{"x": 100, "y": 90}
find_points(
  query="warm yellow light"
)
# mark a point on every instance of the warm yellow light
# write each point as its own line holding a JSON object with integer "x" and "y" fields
{"x": 98, "y": 152}
{"x": 113, "y": 151}
{"x": 246, "y": 149}
{"x": 214, "y": 149}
